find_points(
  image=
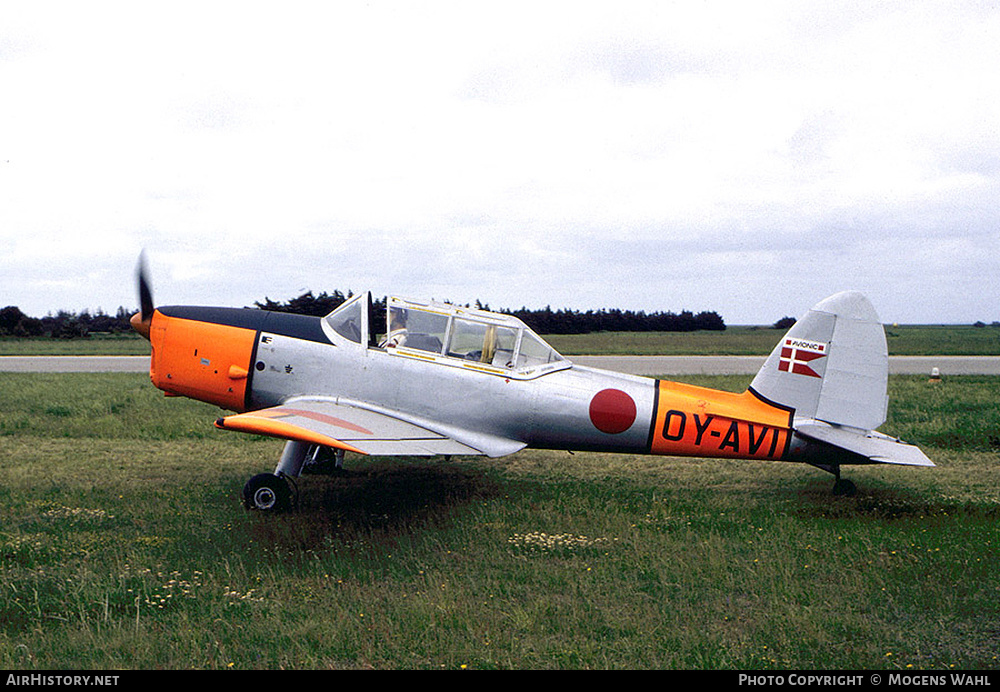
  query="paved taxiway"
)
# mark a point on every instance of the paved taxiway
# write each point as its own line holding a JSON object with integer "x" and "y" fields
{"x": 749, "y": 365}
{"x": 636, "y": 365}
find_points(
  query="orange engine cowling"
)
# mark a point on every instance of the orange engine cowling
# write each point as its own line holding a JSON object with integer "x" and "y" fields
{"x": 201, "y": 359}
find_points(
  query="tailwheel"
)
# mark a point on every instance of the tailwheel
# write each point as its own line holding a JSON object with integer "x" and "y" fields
{"x": 841, "y": 486}
{"x": 267, "y": 492}
{"x": 844, "y": 487}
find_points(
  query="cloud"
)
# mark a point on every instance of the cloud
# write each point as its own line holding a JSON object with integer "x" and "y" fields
{"x": 745, "y": 158}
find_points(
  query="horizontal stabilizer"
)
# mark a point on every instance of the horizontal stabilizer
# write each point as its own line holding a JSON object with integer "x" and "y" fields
{"x": 879, "y": 448}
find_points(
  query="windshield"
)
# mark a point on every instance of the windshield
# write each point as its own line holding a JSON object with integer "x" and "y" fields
{"x": 347, "y": 320}
{"x": 534, "y": 351}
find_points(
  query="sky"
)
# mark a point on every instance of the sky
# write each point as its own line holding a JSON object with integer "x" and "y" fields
{"x": 747, "y": 158}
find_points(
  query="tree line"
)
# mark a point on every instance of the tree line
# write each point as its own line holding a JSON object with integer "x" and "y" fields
{"x": 64, "y": 324}
{"x": 67, "y": 325}
{"x": 565, "y": 321}
{"x": 543, "y": 321}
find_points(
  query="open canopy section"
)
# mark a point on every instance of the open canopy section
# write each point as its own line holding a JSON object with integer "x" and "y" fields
{"x": 446, "y": 333}
{"x": 477, "y": 336}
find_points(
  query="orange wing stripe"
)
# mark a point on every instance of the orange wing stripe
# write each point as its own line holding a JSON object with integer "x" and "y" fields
{"x": 312, "y": 415}
{"x": 262, "y": 425}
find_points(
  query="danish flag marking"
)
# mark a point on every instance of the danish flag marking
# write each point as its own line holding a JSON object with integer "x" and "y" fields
{"x": 797, "y": 355}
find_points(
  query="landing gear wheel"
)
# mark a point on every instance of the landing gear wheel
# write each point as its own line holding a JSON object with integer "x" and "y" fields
{"x": 844, "y": 488}
{"x": 268, "y": 493}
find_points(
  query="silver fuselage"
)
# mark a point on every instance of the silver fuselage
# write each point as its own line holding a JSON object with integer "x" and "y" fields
{"x": 550, "y": 410}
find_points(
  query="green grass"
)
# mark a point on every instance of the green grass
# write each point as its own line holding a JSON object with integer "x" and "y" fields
{"x": 905, "y": 340}
{"x": 123, "y": 544}
{"x": 129, "y": 344}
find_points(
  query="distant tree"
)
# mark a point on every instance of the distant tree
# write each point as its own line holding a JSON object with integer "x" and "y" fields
{"x": 66, "y": 325}
{"x": 565, "y": 321}
{"x": 784, "y": 323}
{"x": 104, "y": 323}
{"x": 13, "y": 322}
{"x": 710, "y": 321}
{"x": 122, "y": 319}
{"x": 306, "y": 304}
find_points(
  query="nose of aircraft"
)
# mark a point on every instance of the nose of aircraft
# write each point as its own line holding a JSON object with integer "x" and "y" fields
{"x": 141, "y": 325}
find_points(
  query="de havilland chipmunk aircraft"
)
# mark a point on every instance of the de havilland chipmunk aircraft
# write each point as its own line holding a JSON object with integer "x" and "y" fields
{"x": 448, "y": 380}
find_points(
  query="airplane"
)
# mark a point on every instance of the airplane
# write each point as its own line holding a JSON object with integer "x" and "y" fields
{"x": 432, "y": 378}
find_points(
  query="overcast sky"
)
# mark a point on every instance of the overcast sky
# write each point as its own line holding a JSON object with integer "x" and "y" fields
{"x": 745, "y": 157}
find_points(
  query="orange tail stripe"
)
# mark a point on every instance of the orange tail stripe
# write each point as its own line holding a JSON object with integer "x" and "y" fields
{"x": 695, "y": 421}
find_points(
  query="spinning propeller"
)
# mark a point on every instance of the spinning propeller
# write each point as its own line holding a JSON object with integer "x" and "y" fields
{"x": 142, "y": 320}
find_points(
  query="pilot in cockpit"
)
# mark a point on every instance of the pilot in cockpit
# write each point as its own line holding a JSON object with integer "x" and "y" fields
{"x": 397, "y": 329}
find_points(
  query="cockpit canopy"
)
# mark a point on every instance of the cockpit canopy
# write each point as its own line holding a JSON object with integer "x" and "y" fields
{"x": 447, "y": 333}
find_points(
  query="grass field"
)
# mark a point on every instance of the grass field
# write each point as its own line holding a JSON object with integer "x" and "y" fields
{"x": 94, "y": 345}
{"x": 123, "y": 544}
{"x": 905, "y": 340}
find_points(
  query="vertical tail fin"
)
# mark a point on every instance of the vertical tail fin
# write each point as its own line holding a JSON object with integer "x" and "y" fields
{"x": 832, "y": 369}
{"x": 832, "y": 365}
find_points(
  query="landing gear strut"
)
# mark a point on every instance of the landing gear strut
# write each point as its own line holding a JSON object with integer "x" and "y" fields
{"x": 276, "y": 492}
{"x": 271, "y": 492}
{"x": 323, "y": 461}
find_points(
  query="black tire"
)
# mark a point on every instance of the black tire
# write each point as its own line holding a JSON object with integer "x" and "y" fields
{"x": 844, "y": 488}
{"x": 267, "y": 492}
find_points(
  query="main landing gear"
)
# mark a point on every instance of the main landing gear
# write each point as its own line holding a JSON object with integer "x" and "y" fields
{"x": 276, "y": 492}
{"x": 268, "y": 492}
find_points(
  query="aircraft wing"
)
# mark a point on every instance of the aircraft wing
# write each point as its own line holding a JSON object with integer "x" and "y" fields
{"x": 351, "y": 428}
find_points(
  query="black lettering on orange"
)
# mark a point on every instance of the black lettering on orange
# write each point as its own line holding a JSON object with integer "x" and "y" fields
{"x": 774, "y": 444}
{"x": 667, "y": 424}
{"x": 701, "y": 427}
{"x": 755, "y": 443}
{"x": 732, "y": 438}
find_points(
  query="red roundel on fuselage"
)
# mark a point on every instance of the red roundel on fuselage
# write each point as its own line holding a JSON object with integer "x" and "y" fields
{"x": 612, "y": 411}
